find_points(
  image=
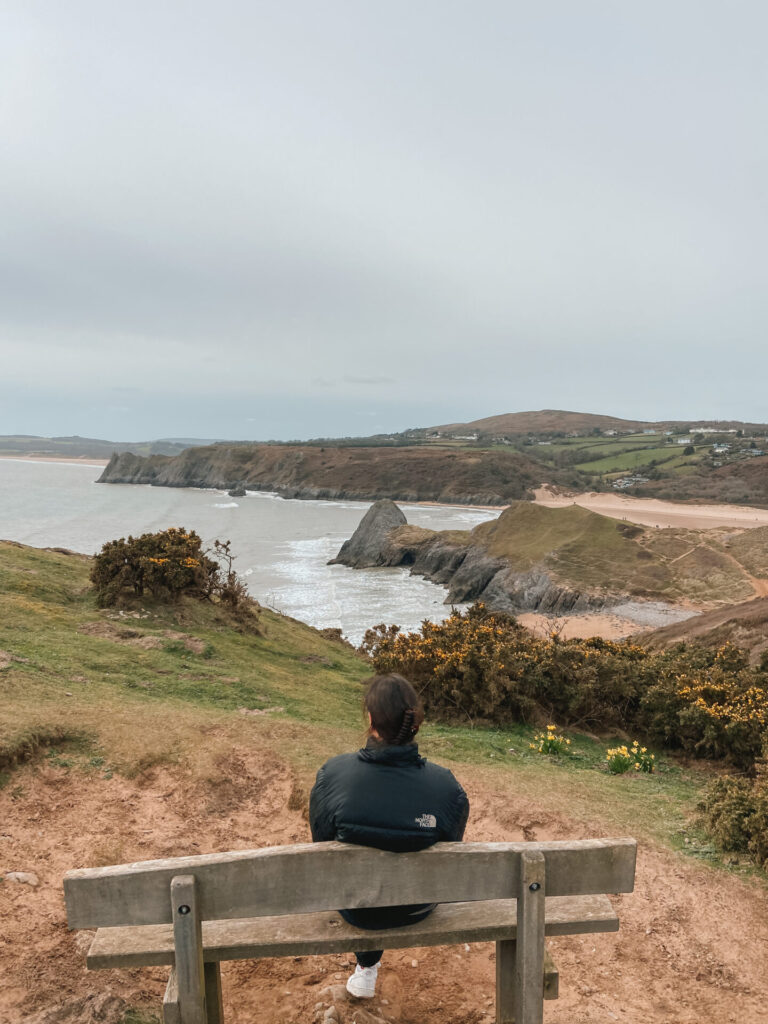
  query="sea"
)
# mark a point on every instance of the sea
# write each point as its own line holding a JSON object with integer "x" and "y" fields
{"x": 282, "y": 546}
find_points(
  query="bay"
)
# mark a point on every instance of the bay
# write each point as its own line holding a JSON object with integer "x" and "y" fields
{"x": 282, "y": 546}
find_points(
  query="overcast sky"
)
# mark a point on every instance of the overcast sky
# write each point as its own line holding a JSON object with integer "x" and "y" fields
{"x": 299, "y": 218}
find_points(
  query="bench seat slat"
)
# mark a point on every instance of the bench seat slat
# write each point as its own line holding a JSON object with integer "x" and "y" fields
{"x": 323, "y": 876}
{"x": 327, "y": 932}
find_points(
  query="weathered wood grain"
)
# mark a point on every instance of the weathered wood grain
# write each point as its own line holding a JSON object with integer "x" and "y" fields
{"x": 505, "y": 981}
{"x": 309, "y": 934}
{"x": 551, "y": 977}
{"x": 324, "y": 876}
{"x": 171, "y": 1008}
{"x": 188, "y": 949}
{"x": 529, "y": 954}
{"x": 213, "y": 1002}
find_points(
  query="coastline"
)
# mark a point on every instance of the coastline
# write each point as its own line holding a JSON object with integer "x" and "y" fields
{"x": 76, "y": 460}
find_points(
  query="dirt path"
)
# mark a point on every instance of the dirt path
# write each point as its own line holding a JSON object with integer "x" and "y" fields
{"x": 690, "y": 943}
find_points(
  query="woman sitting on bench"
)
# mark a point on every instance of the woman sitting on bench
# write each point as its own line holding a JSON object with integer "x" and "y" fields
{"x": 389, "y": 797}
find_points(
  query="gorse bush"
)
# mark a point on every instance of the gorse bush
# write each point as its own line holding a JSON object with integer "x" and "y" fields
{"x": 736, "y": 816}
{"x": 482, "y": 666}
{"x": 167, "y": 565}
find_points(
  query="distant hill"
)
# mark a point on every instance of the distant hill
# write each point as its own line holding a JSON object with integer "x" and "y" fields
{"x": 542, "y": 422}
{"x": 90, "y": 447}
{"x": 551, "y": 421}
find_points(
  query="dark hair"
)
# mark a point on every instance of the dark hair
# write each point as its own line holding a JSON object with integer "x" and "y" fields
{"x": 395, "y": 708}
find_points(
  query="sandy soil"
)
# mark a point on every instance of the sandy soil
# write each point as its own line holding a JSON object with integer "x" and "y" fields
{"x": 609, "y": 627}
{"x": 81, "y": 460}
{"x": 690, "y": 943}
{"x": 653, "y": 512}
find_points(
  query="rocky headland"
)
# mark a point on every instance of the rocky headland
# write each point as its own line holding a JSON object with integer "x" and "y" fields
{"x": 449, "y": 476}
{"x": 565, "y": 561}
{"x": 468, "y": 570}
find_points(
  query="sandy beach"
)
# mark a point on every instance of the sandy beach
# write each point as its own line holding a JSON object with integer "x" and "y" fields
{"x": 654, "y": 512}
{"x": 79, "y": 460}
{"x": 570, "y": 627}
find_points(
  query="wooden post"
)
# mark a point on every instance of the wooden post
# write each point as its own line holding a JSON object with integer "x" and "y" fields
{"x": 188, "y": 944}
{"x": 213, "y": 1004}
{"x": 505, "y": 981}
{"x": 171, "y": 1011}
{"x": 529, "y": 959}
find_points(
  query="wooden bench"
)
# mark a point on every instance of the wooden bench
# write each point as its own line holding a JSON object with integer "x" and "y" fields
{"x": 194, "y": 912}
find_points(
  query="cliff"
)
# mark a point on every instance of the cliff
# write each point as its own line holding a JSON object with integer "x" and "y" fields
{"x": 459, "y": 560}
{"x": 564, "y": 560}
{"x": 451, "y": 476}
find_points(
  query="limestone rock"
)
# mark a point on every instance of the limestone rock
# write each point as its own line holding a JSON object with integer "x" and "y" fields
{"x": 23, "y": 877}
{"x": 369, "y": 545}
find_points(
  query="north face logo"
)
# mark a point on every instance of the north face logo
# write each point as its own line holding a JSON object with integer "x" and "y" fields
{"x": 426, "y": 821}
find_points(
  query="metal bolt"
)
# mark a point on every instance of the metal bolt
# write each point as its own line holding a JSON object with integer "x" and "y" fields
{"x": 534, "y": 886}
{"x": 184, "y": 909}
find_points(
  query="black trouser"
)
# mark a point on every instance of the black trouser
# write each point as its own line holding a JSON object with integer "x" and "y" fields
{"x": 377, "y": 918}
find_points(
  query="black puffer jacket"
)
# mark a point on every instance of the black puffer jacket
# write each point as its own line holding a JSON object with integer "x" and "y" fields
{"x": 387, "y": 797}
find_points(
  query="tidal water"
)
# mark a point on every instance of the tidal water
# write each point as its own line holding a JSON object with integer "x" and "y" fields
{"x": 282, "y": 547}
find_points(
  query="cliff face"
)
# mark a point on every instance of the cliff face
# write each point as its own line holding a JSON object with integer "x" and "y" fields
{"x": 367, "y": 474}
{"x": 469, "y": 572}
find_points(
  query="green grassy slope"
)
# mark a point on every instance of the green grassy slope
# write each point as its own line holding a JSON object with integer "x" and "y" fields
{"x": 107, "y": 704}
{"x": 585, "y": 549}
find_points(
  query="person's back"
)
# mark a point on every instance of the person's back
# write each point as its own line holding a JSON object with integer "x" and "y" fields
{"x": 389, "y": 797}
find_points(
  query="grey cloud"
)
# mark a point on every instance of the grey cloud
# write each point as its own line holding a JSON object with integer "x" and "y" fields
{"x": 368, "y": 380}
{"x": 557, "y": 205}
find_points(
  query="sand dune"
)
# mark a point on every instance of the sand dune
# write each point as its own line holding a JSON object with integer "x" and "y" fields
{"x": 654, "y": 512}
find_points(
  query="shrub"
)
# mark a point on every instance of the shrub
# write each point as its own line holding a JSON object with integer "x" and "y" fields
{"x": 167, "y": 565}
{"x": 480, "y": 665}
{"x": 736, "y": 815}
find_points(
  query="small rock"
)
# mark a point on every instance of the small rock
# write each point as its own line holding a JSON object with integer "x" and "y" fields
{"x": 67, "y": 693}
{"x": 362, "y": 1016}
{"x": 24, "y": 877}
{"x": 466, "y": 947}
{"x": 331, "y": 1015}
{"x": 334, "y": 994}
{"x": 319, "y": 1006}
{"x": 338, "y": 976}
{"x": 83, "y": 941}
{"x": 414, "y": 963}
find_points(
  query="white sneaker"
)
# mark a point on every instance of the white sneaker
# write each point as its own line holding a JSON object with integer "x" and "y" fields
{"x": 363, "y": 982}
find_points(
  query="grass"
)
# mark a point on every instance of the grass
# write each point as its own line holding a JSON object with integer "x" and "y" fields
{"x": 628, "y": 460}
{"x": 98, "y": 705}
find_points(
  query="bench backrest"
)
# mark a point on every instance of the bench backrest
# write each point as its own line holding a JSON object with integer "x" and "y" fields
{"x": 328, "y": 876}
